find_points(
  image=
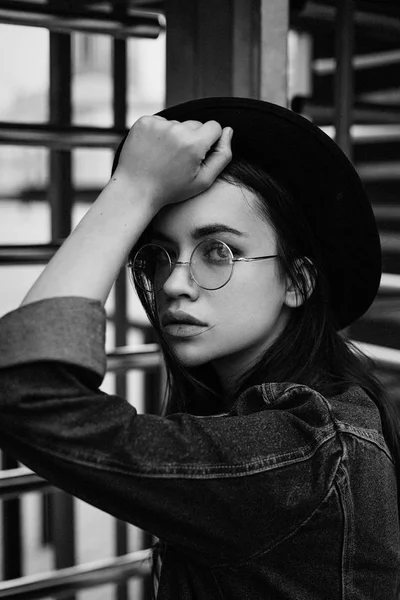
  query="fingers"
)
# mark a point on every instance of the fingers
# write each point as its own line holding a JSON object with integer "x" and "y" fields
{"x": 207, "y": 135}
{"x": 220, "y": 156}
{"x": 193, "y": 124}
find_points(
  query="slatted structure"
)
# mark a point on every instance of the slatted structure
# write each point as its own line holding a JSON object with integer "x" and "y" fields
{"x": 340, "y": 68}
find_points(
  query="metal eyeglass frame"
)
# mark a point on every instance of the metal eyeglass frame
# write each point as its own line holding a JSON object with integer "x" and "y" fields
{"x": 130, "y": 264}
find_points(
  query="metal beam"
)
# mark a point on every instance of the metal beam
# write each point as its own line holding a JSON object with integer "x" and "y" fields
{"x": 119, "y": 69}
{"x": 323, "y": 114}
{"x": 74, "y": 579}
{"x": 344, "y": 81}
{"x": 274, "y": 19}
{"x": 20, "y": 480}
{"x": 61, "y": 19}
{"x": 59, "y": 137}
{"x": 226, "y": 48}
{"x": 315, "y": 14}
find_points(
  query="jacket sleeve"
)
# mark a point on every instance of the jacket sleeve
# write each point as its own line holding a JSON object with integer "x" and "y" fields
{"x": 197, "y": 483}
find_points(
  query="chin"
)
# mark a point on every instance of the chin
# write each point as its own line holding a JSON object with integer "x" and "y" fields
{"x": 189, "y": 356}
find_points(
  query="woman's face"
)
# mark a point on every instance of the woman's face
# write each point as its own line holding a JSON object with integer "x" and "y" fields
{"x": 239, "y": 320}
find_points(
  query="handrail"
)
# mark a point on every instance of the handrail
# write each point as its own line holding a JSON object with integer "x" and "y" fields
{"x": 144, "y": 357}
{"x": 384, "y": 25}
{"x": 14, "y": 482}
{"x": 386, "y": 358}
{"x": 368, "y": 134}
{"x": 133, "y": 24}
{"x": 27, "y": 254}
{"x": 59, "y": 138}
{"x": 71, "y": 579}
{"x": 390, "y": 284}
{"x": 362, "y": 113}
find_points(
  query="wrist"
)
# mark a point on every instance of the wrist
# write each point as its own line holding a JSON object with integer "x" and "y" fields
{"x": 131, "y": 193}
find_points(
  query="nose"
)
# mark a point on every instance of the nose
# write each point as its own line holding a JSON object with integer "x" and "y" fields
{"x": 180, "y": 282}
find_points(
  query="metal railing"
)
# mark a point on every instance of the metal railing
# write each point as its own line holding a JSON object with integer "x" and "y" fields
{"x": 73, "y": 579}
{"x": 61, "y": 19}
{"x": 21, "y": 480}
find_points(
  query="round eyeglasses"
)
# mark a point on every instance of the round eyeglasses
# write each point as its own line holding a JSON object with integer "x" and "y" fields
{"x": 210, "y": 266}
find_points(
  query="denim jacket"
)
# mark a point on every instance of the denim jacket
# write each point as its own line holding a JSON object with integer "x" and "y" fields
{"x": 291, "y": 496}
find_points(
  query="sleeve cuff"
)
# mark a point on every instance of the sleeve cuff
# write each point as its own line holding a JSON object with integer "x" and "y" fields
{"x": 65, "y": 329}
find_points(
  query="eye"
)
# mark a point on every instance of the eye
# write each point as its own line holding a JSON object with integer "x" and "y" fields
{"x": 215, "y": 252}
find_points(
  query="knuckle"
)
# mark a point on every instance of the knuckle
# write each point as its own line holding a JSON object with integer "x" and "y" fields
{"x": 228, "y": 154}
{"x": 216, "y": 125}
{"x": 144, "y": 120}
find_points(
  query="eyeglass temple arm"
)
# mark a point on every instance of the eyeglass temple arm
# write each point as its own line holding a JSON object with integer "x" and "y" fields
{"x": 243, "y": 259}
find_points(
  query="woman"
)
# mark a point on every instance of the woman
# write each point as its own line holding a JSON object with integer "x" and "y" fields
{"x": 274, "y": 472}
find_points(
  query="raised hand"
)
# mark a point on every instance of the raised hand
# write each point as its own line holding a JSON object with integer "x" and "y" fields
{"x": 169, "y": 161}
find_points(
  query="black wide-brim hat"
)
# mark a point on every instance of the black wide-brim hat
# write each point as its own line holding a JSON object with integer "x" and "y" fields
{"x": 322, "y": 180}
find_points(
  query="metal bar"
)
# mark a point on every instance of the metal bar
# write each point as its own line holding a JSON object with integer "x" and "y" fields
{"x": 59, "y": 137}
{"x": 390, "y": 284}
{"x": 62, "y": 20}
{"x": 12, "y": 530}
{"x": 274, "y": 20}
{"x": 63, "y": 531}
{"x": 60, "y": 198}
{"x": 74, "y": 579}
{"x": 387, "y": 358}
{"x": 152, "y": 397}
{"x": 32, "y": 254}
{"x": 119, "y": 69}
{"x": 246, "y": 48}
{"x": 369, "y": 134}
{"x": 344, "y": 83}
{"x": 20, "y": 480}
{"x": 60, "y": 186}
{"x": 379, "y": 171}
{"x": 378, "y": 24}
{"x": 362, "y": 113}
{"x": 327, "y": 66}
{"x": 214, "y": 48}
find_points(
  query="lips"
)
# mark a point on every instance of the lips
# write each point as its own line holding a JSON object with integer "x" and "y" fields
{"x": 180, "y": 317}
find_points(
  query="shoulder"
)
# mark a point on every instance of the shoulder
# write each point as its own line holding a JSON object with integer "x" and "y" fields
{"x": 298, "y": 406}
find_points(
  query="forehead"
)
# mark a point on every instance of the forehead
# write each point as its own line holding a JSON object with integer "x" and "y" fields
{"x": 222, "y": 203}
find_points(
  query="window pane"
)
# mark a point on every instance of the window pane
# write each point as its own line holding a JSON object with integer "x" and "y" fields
{"x": 15, "y": 282}
{"x": 91, "y": 169}
{"x": 91, "y": 84}
{"x": 23, "y": 172}
{"x": 25, "y": 78}
{"x": 146, "y": 77}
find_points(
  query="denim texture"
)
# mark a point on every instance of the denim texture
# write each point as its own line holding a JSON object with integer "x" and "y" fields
{"x": 290, "y": 496}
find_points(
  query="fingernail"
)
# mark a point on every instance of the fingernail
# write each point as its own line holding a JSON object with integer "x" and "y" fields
{"x": 230, "y": 133}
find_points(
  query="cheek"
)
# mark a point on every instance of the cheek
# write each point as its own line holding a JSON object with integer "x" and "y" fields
{"x": 249, "y": 303}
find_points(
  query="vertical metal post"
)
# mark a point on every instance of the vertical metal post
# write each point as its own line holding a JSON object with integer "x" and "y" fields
{"x": 119, "y": 113}
{"x": 274, "y": 20}
{"x": 11, "y": 527}
{"x": 344, "y": 80}
{"x": 227, "y": 48}
{"x": 60, "y": 199}
{"x": 60, "y": 185}
{"x": 152, "y": 405}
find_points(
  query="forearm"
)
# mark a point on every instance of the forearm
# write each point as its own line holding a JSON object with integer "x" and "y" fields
{"x": 89, "y": 260}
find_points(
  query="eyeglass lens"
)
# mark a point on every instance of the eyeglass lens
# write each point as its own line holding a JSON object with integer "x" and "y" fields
{"x": 211, "y": 266}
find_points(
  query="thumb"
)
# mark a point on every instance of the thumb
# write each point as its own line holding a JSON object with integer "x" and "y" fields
{"x": 220, "y": 155}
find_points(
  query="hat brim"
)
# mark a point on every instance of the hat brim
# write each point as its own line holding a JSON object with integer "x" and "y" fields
{"x": 322, "y": 180}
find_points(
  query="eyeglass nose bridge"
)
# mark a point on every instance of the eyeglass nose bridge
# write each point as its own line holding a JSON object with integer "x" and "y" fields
{"x": 173, "y": 264}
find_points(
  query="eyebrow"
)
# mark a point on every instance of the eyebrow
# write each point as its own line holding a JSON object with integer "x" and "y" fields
{"x": 204, "y": 231}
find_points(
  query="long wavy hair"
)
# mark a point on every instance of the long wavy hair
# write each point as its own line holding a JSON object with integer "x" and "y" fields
{"x": 325, "y": 360}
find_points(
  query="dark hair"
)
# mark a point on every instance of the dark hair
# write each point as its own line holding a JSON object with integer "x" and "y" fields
{"x": 325, "y": 360}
